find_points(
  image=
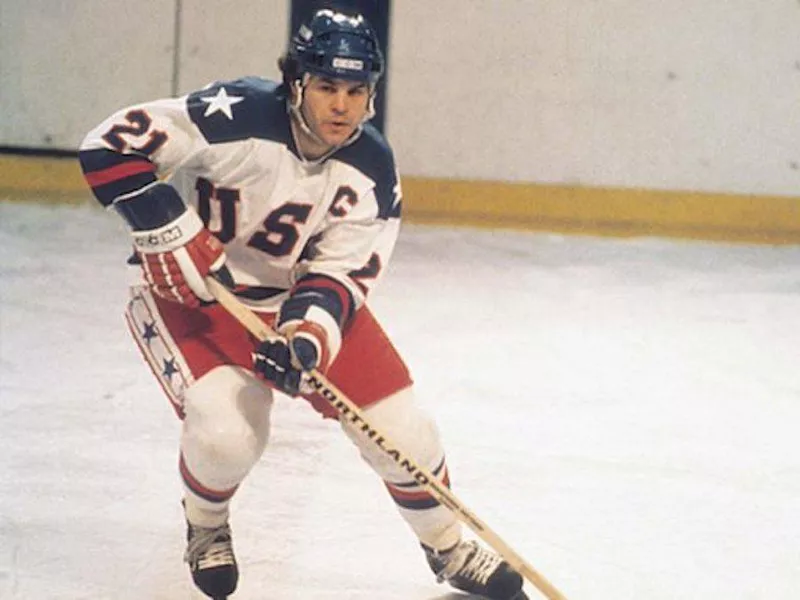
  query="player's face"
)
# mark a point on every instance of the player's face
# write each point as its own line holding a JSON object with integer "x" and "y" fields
{"x": 334, "y": 108}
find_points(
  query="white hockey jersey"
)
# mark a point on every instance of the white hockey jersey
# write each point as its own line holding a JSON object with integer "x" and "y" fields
{"x": 229, "y": 151}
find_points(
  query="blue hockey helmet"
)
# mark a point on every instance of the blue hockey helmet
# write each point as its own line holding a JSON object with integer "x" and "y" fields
{"x": 336, "y": 45}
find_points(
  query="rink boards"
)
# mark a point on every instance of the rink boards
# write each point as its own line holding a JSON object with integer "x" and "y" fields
{"x": 556, "y": 208}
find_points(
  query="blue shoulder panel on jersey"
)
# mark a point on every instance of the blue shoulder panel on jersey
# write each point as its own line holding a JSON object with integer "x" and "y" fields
{"x": 372, "y": 155}
{"x": 250, "y": 107}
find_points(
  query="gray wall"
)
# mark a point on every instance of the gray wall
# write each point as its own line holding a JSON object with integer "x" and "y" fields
{"x": 65, "y": 65}
{"x": 688, "y": 94}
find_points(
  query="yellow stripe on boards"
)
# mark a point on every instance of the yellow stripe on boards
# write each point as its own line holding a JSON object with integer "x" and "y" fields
{"x": 44, "y": 179}
{"x": 603, "y": 211}
{"x": 527, "y": 206}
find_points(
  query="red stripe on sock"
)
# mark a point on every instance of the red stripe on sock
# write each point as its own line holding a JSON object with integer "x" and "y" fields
{"x": 201, "y": 490}
{"x": 406, "y": 494}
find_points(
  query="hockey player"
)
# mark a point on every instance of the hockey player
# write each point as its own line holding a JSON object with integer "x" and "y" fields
{"x": 287, "y": 194}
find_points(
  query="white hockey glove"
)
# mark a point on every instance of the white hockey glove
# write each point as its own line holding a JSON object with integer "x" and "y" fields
{"x": 310, "y": 324}
{"x": 177, "y": 252}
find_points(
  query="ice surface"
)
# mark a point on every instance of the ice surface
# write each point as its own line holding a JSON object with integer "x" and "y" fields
{"x": 624, "y": 413}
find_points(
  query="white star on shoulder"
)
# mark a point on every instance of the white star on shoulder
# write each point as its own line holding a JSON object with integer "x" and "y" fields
{"x": 221, "y": 103}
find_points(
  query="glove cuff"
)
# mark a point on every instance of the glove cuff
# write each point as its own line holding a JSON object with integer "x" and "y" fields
{"x": 169, "y": 237}
{"x": 321, "y": 329}
{"x": 309, "y": 347}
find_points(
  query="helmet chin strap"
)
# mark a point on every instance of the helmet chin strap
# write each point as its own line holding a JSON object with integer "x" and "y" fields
{"x": 296, "y": 108}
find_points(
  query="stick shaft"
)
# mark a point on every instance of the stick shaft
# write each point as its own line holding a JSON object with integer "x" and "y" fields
{"x": 351, "y": 413}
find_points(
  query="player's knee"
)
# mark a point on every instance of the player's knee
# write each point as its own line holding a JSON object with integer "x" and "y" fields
{"x": 227, "y": 417}
{"x": 405, "y": 425}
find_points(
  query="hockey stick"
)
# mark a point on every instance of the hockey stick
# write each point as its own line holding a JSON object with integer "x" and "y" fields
{"x": 351, "y": 413}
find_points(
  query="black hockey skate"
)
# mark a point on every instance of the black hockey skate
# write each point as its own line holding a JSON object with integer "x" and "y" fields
{"x": 475, "y": 570}
{"x": 210, "y": 556}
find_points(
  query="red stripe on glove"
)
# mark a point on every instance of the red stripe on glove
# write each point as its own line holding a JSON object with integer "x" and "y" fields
{"x": 310, "y": 328}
